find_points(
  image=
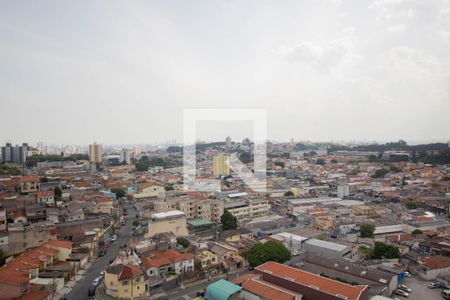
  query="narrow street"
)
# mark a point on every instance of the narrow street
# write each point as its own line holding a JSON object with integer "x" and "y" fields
{"x": 80, "y": 290}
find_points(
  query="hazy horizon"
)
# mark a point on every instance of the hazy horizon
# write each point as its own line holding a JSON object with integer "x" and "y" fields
{"x": 122, "y": 72}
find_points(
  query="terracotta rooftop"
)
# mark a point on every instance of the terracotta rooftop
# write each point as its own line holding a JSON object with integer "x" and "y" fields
{"x": 267, "y": 290}
{"x": 312, "y": 281}
{"x": 61, "y": 244}
{"x": 130, "y": 271}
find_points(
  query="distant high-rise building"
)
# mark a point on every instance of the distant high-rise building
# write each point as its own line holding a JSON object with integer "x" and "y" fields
{"x": 14, "y": 154}
{"x": 95, "y": 153}
{"x": 246, "y": 141}
{"x": 125, "y": 156}
{"x": 221, "y": 165}
{"x": 137, "y": 150}
{"x": 228, "y": 142}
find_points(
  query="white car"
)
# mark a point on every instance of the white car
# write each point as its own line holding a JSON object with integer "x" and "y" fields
{"x": 114, "y": 238}
{"x": 402, "y": 293}
{"x": 407, "y": 274}
{"x": 405, "y": 288}
{"x": 433, "y": 285}
{"x": 96, "y": 281}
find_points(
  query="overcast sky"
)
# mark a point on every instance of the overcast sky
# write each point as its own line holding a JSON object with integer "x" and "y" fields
{"x": 123, "y": 71}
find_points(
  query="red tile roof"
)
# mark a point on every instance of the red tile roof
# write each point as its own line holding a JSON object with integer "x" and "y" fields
{"x": 267, "y": 291}
{"x": 61, "y": 244}
{"x": 161, "y": 258}
{"x": 436, "y": 262}
{"x": 313, "y": 281}
{"x": 45, "y": 194}
{"x": 130, "y": 271}
{"x": 28, "y": 179}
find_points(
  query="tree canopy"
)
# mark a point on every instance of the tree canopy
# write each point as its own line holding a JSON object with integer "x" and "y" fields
{"x": 183, "y": 242}
{"x": 145, "y": 162}
{"x": 382, "y": 250}
{"x": 229, "y": 222}
{"x": 367, "y": 230}
{"x": 269, "y": 251}
{"x": 119, "y": 192}
{"x": 9, "y": 169}
{"x": 380, "y": 173}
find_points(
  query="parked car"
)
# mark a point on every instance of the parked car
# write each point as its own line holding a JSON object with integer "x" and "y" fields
{"x": 91, "y": 291}
{"x": 433, "y": 285}
{"x": 407, "y": 274}
{"x": 114, "y": 238}
{"x": 405, "y": 288}
{"x": 102, "y": 252}
{"x": 446, "y": 294}
{"x": 97, "y": 281}
{"x": 401, "y": 293}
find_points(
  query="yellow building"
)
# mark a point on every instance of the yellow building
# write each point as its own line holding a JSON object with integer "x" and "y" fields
{"x": 221, "y": 165}
{"x": 150, "y": 190}
{"x": 125, "y": 282}
{"x": 207, "y": 259}
{"x": 171, "y": 221}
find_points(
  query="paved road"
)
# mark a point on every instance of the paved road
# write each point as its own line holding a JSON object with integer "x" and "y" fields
{"x": 80, "y": 290}
{"x": 420, "y": 290}
{"x": 191, "y": 291}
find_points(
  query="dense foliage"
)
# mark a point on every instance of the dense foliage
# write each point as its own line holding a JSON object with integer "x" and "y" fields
{"x": 33, "y": 160}
{"x": 145, "y": 162}
{"x": 183, "y": 242}
{"x": 380, "y": 173}
{"x": 9, "y": 169}
{"x": 269, "y": 251}
{"x": 367, "y": 230}
{"x": 229, "y": 222}
{"x": 383, "y": 250}
{"x": 119, "y": 192}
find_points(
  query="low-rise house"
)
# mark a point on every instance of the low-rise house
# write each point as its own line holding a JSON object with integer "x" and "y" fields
{"x": 228, "y": 256}
{"x": 125, "y": 282}
{"x": 46, "y": 198}
{"x": 150, "y": 190}
{"x": 28, "y": 184}
{"x": 168, "y": 262}
{"x": 207, "y": 259}
{"x": 433, "y": 266}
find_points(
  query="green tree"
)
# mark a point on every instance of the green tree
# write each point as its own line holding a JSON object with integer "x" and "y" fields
{"x": 246, "y": 157}
{"x": 119, "y": 192}
{"x": 410, "y": 205}
{"x": 320, "y": 161}
{"x": 367, "y": 230}
{"x": 269, "y": 251}
{"x": 395, "y": 169}
{"x": 416, "y": 231}
{"x": 229, "y": 222}
{"x": 381, "y": 250}
{"x": 183, "y": 242}
{"x": 391, "y": 252}
{"x": 334, "y": 161}
{"x": 372, "y": 158}
{"x": 279, "y": 163}
{"x": 58, "y": 192}
{"x": 380, "y": 173}
{"x": 9, "y": 169}
{"x": 136, "y": 223}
